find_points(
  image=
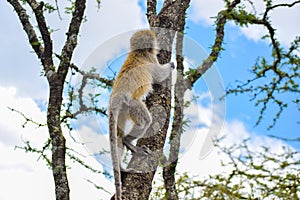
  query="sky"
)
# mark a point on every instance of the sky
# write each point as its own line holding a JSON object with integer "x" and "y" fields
{"x": 23, "y": 88}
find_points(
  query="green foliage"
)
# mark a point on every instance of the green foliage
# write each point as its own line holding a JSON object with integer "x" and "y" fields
{"x": 70, "y": 9}
{"x": 244, "y": 18}
{"x": 49, "y": 8}
{"x": 43, "y": 152}
{"x": 75, "y": 157}
{"x": 248, "y": 174}
{"x": 36, "y": 43}
{"x": 191, "y": 71}
{"x": 27, "y": 119}
{"x": 274, "y": 78}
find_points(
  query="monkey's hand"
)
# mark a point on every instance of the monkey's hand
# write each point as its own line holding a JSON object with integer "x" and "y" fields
{"x": 172, "y": 65}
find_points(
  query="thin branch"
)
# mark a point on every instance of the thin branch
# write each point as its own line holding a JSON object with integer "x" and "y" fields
{"x": 95, "y": 76}
{"x": 82, "y": 107}
{"x": 98, "y": 187}
{"x": 282, "y": 80}
{"x": 57, "y": 8}
{"x": 286, "y": 139}
{"x": 26, "y": 118}
{"x": 269, "y": 8}
{"x": 39, "y": 15}
{"x": 177, "y": 125}
{"x": 264, "y": 21}
{"x": 42, "y": 152}
{"x": 82, "y": 110}
{"x": 81, "y": 162}
{"x": 71, "y": 41}
{"x": 28, "y": 28}
{"x": 151, "y": 11}
{"x": 194, "y": 75}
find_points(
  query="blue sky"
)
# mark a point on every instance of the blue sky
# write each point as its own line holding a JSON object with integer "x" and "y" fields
{"x": 22, "y": 87}
{"x": 242, "y": 48}
{"x": 234, "y": 65}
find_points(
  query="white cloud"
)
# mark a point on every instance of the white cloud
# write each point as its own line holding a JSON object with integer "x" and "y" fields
{"x": 10, "y": 122}
{"x": 282, "y": 20}
{"x": 24, "y": 177}
{"x": 286, "y": 32}
{"x": 78, "y": 176}
{"x": 19, "y": 63}
{"x": 254, "y": 32}
{"x": 114, "y": 18}
{"x": 235, "y": 133}
{"x": 19, "y": 171}
{"x": 23, "y": 172}
{"x": 203, "y": 11}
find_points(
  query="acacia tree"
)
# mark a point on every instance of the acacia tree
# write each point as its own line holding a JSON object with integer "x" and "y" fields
{"x": 249, "y": 174}
{"x": 170, "y": 18}
{"x": 55, "y": 75}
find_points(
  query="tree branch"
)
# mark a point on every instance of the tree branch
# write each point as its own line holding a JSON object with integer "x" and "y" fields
{"x": 269, "y": 8}
{"x": 26, "y": 118}
{"x": 177, "y": 125}
{"x": 71, "y": 41}
{"x": 285, "y": 65}
{"x": 169, "y": 168}
{"x": 39, "y": 15}
{"x": 194, "y": 75}
{"x": 151, "y": 11}
{"x": 28, "y": 28}
{"x": 95, "y": 76}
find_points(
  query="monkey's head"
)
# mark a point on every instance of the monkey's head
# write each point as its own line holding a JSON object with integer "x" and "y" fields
{"x": 143, "y": 41}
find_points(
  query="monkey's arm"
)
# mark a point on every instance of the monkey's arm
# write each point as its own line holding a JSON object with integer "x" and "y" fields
{"x": 161, "y": 72}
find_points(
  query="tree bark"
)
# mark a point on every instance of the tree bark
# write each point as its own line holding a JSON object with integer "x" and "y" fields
{"x": 57, "y": 140}
{"x": 169, "y": 168}
{"x": 56, "y": 81}
{"x": 139, "y": 185}
{"x": 165, "y": 24}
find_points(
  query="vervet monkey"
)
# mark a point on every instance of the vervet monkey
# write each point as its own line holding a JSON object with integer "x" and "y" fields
{"x": 134, "y": 81}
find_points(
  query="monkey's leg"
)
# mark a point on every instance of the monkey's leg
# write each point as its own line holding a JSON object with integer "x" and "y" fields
{"x": 121, "y": 150}
{"x": 142, "y": 120}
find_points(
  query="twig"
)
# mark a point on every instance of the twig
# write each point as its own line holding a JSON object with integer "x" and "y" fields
{"x": 26, "y": 118}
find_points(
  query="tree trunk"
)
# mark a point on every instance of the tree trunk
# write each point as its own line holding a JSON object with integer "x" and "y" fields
{"x": 165, "y": 25}
{"x": 57, "y": 140}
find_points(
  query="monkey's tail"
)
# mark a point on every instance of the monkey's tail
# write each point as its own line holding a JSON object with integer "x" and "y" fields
{"x": 113, "y": 123}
